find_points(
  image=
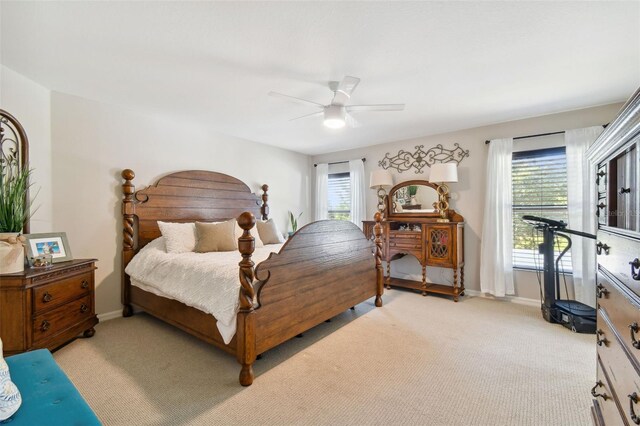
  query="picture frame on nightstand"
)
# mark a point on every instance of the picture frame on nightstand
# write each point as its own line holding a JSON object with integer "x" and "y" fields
{"x": 53, "y": 243}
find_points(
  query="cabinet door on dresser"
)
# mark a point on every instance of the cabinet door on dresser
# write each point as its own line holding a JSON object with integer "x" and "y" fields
{"x": 440, "y": 242}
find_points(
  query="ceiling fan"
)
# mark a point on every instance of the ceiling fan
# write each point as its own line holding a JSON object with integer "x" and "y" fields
{"x": 337, "y": 114}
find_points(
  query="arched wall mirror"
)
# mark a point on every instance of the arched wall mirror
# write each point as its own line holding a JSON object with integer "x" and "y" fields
{"x": 414, "y": 198}
{"x": 14, "y": 152}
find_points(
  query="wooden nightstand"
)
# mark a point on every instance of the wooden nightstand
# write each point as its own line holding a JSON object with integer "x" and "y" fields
{"x": 46, "y": 308}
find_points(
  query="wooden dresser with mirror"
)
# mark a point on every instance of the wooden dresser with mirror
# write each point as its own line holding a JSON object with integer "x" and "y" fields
{"x": 411, "y": 227}
{"x": 614, "y": 159}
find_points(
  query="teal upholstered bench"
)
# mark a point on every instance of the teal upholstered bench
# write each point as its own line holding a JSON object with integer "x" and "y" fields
{"x": 48, "y": 396}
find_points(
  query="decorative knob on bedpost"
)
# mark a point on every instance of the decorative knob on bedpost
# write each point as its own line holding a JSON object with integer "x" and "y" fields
{"x": 377, "y": 231}
{"x": 245, "y": 333}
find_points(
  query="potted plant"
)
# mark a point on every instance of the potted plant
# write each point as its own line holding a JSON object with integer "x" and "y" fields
{"x": 294, "y": 223}
{"x": 413, "y": 190}
{"x": 14, "y": 210}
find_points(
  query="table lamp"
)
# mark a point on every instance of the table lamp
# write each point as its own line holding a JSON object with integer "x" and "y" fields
{"x": 379, "y": 179}
{"x": 440, "y": 174}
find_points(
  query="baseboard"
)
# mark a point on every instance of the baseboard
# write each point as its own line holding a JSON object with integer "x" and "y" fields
{"x": 110, "y": 315}
{"x": 512, "y": 299}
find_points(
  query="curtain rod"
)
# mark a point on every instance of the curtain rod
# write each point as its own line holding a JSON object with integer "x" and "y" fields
{"x": 341, "y": 162}
{"x": 540, "y": 134}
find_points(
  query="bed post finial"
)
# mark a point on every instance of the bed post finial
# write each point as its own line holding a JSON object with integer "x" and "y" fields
{"x": 128, "y": 213}
{"x": 265, "y": 207}
{"x": 245, "y": 333}
{"x": 377, "y": 231}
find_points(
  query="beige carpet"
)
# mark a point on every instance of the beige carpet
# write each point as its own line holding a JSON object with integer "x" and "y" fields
{"x": 417, "y": 360}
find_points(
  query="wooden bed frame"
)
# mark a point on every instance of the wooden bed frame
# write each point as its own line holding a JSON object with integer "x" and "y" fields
{"x": 325, "y": 268}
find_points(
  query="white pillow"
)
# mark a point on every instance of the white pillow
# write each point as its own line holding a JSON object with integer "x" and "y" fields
{"x": 10, "y": 398}
{"x": 254, "y": 234}
{"x": 269, "y": 233}
{"x": 178, "y": 237}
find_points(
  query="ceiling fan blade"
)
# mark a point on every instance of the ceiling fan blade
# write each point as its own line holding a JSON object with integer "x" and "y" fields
{"x": 294, "y": 99}
{"x": 382, "y": 107}
{"x": 351, "y": 122}
{"x": 308, "y": 115}
{"x": 344, "y": 90}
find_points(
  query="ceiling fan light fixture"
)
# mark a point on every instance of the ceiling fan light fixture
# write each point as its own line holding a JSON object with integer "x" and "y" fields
{"x": 334, "y": 117}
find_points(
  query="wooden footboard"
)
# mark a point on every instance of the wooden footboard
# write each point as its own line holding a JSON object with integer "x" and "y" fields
{"x": 322, "y": 270}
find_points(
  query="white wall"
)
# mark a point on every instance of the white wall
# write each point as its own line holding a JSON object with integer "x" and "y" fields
{"x": 468, "y": 193}
{"x": 94, "y": 142}
{"x": 29, "y": 102}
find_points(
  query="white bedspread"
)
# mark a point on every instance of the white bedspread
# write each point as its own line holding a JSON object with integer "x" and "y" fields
{"x": 206, "y": 281}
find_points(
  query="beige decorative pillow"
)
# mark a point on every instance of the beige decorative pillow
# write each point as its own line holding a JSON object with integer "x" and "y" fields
{"x": 255, "y": 234}
{"x": 216, "y": 236}
{"x": 269, "y": 233}
{"x": 178, "y": 237}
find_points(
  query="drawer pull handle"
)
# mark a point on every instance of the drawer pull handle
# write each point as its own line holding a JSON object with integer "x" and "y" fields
{"x": 45, "y": 325}
{"x": 633, "y": 399}
{"x": 602, "y": 341}
{"x": 600, "y": 247}
{"x": 602, "y": 291}
{"x": 47, "y": 297}
{"x": 625, "y": 191}
{"x": 635, "y": 264}
{"x": 85, "y": 283}
{"x": 634, "y": 329}
{"x": 84, "y": 308}
{"x": 596, "y": 395}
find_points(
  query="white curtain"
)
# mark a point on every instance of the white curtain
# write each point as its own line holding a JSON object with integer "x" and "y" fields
{"x": 581, "y": 204}
{"x": 322, "y": 191}
{"x": 496, "y": 266}
{"x": 358, "y": 201}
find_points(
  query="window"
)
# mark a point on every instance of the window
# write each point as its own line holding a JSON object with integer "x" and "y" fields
{"x": 339, "y": 191}
{"x": 539, "y": 189}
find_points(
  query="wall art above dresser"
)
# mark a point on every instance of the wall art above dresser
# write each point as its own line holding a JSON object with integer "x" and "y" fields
{"x": 419, "y": 159}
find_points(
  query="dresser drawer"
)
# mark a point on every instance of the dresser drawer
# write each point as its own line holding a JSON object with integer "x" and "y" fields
{"x": 606, "y": 404}
{"x": 59, "y": 319}
{"x": 408, "y": 244}
{"x": 623, "y": 312}
{"x": 624, "y": 379}
{"x": 404, "y": 235}
{"x": 51, "y": 295}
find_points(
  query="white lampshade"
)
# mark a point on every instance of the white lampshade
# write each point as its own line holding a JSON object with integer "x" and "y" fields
{"x": 443, "y": 172}
{"x": 380, "y": 178}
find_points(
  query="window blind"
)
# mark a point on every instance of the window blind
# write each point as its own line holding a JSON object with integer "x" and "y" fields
{"x": 339, "y": 192}
{"x": 539, "y": 189}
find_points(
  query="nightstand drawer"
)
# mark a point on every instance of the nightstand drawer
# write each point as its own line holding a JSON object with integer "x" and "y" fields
{"x": 59, "y": 319}
{"x": 51, "y": 295}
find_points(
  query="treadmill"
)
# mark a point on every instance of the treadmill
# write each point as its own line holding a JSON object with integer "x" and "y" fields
{"x": 572, "y": 314}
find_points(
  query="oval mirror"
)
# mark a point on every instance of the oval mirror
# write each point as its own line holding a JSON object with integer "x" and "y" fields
{"x": 413, "y": 198}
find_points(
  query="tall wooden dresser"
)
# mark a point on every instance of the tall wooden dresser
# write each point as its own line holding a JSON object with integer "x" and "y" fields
{"x": 614, "y": 163}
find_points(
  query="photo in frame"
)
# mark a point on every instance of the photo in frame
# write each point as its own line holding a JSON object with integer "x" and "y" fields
{"x": 54, "y": 244}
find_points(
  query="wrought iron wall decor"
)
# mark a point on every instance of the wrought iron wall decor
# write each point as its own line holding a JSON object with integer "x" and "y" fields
{"x": 420, "y": 159}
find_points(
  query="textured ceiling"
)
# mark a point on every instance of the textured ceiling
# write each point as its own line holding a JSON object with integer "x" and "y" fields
{"x": 455, "y": 65}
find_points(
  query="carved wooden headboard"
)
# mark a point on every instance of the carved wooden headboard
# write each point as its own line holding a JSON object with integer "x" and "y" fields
{"x": 188, "y": 196}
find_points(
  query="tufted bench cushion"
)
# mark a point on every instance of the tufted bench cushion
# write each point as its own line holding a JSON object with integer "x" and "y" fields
{"x": 48, "y": 396}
